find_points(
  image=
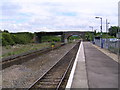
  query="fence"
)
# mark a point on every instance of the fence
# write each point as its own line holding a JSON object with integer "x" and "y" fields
{"x": 113, "y": 46}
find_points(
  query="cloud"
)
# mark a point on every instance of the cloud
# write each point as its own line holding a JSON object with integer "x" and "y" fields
{"x": 9, "y": 9}
{"x": 36, "y": 15}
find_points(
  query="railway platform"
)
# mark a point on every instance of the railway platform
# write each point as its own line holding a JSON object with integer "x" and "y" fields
{"x": 93, "y": 69}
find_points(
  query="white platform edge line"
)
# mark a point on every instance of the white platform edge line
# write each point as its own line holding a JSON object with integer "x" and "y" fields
{"x": 70, "y": 80}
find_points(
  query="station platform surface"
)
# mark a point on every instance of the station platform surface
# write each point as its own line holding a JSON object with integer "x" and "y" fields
{"x": 93, "y": 69}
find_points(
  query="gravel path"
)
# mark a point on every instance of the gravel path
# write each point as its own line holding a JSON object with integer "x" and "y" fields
{"x": 22, "y": 76}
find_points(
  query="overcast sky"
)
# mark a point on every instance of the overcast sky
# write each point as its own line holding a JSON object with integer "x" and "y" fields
{"x": 40, "y": 15}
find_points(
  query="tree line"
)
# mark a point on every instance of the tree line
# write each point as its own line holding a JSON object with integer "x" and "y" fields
{"x": 26, "y": 37}
{"x": 112, "y": 32}
{"x": 16, "y": 38}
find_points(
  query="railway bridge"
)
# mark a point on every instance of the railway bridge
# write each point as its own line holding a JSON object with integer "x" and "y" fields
{"x": 64, "y": 35}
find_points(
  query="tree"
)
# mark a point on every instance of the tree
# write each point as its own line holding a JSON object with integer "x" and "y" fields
{"x": 6, "y": 31}
{"x": 113, "y": 30}
{"x": 7, "y": 39}
{"x": 95, "y": 32}
{"x": 89, "y": 36}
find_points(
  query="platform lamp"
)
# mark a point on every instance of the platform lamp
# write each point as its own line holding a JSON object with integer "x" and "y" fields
{"x": 91, "y": 27}
{"x": 107, "y": 43}
{"x": 118, "y": 44}
{"x": 101, "y": 41}
{"x": 92, "y": 34}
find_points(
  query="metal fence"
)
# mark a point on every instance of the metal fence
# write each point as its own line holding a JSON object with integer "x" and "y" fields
{"x": 113, "y": 46}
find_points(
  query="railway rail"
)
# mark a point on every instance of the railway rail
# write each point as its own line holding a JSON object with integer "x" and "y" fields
{"x": 18, "y": 59}
{"x": 54, "y": 77}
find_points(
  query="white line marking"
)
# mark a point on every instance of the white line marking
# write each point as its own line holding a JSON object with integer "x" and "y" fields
{"x": 70, "y": 80}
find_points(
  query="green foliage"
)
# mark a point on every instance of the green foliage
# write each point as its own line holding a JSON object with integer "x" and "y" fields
{"x": 7, "y": 39}
{"x": 56, "y": 39}
{"x": 18, "y": 49}
{"x": 74, "y": 37}
{"x": 4, "y": 42}
{"x": 89, "y": 36}
{"x": 95, "y": 32}
{"x": 8, "y": 47}
{"x": 22, "y": 38}
{"x": 113, "y": 30}
{"x": 16, "y": 38}
{"x": 104, "y": 35}
{"x": 53, "y": 43}
{"x": 51, "y": 38}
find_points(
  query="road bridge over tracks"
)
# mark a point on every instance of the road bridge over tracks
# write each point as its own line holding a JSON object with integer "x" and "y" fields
{"x": 64, "y": 35}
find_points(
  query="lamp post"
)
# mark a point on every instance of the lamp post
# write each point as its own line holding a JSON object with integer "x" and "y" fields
{"x": 101, "y": 41}
{"x": 118, "y": 42}
{"x": 107, "y": 43}
{"x": 92, "y": 34}
{"x": 107, "y": 23}
{"x": 91, "y": 27}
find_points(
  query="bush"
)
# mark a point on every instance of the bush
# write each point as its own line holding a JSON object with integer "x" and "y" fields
{"x": 73, "y": 37}
{"x": 53, "y": 43}
{"x": 7, "y": 39}
{"x": 4, "y": 42}
{"x": 16, "y": 38}
{"x": 23, "y": 38}
{"x": 51, "y": 39}
{"x": 56, "y": 39}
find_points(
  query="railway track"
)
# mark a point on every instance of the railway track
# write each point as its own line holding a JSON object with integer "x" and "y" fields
{"x": 54, "y": 77}
{"x": 19, "y": 59}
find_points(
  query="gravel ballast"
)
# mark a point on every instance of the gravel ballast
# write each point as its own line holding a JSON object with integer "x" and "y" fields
{"x": 22, "y": 76}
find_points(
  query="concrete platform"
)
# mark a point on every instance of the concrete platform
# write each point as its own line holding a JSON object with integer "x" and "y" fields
{"x": 93, "y": 69}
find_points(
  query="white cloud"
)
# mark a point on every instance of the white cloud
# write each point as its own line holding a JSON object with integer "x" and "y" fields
{"x": 35, "y": 15}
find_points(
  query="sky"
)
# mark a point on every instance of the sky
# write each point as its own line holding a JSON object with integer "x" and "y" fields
{"x": 57, "y": 15}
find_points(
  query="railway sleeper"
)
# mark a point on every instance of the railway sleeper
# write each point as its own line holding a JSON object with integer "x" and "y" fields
{"x": 46, "y": 85}
{"x": 51, "y": 79}
{"x": 56, "y": 72}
